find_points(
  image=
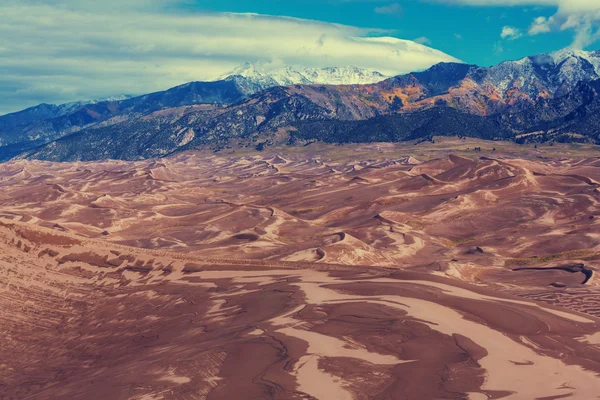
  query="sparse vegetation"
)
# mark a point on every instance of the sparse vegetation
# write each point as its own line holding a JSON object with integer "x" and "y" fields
{"x": 306, "y": 210}
{"x": 575, "y": 254}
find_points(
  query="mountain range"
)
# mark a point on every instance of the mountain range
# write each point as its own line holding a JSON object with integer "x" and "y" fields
{"x": 44, "y": 123}
{"x": 538, "y": 98}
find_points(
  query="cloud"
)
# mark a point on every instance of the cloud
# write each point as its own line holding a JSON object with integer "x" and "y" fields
{"x": 422, "y": 40}
{"x": 581, "y": 16}
{"x": 458, "y": 36}
{"x": 511, "y": 33}
{"x": 394, "y": 8}
{"x": 567, "y": 6}
{"x": 586, "y": 26}
{"x": 498, "y": 48}
{"x": 540, "y": 25}
{"x": 64, "y": 50}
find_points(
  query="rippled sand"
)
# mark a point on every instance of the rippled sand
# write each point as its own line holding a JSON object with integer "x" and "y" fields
{"x": 296, "y": 276}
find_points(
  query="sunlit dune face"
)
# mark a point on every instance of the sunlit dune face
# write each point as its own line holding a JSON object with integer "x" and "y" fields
{"x": 348, "y": 273}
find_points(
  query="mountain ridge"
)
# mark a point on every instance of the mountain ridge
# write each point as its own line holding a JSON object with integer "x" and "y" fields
{"x": 511, "y": 99}
{"x": 47, "y": 122}
{"x": 264, "y": 75}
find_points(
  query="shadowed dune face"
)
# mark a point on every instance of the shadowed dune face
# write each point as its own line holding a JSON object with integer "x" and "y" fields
{"x": 288, "y": 276}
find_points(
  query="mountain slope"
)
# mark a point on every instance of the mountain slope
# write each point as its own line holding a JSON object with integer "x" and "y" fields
{"x": 546, "y": 97}
{"x": 46, "y": 122}
{"x": 575, "y": 116}
{"x": 512, "y": 86}
{"x": 437, "y": 121}
{"x": 164, "y": 132}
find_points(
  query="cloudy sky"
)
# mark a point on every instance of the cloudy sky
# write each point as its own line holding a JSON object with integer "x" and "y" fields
{"x": 56, "y": 51}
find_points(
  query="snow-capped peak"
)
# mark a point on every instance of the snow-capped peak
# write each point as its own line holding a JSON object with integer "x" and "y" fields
{"x": 265, "y": 74}
{"x": 71, "y": 106}
{"x": 249, "y": 69}
{"x": 576, "y": 65}
{"x": 554, "y": 72}
{"x": 568, "y": 52}
{"x": 96, "y": 101}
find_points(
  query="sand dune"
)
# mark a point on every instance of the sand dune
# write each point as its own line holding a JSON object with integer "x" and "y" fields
{"x": 295, "y": 276}
{"x": 331, "y": 324}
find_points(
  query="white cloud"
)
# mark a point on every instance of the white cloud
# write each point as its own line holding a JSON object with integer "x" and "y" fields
{"x": 567, "y": 6}
{"x": 540, "y": 25}
{"x": 581, "y": 16}
{"x": 510, "y": 32}
{"x": 586, "y": 27}
{"x": 498, "y": 48}
{"x": 62, "y": 50}
{"x": 393, "y": 8}
{"x": 422, "y": 40}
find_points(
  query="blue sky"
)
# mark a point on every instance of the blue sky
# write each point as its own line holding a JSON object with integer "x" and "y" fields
{"x": 57, "y": 51}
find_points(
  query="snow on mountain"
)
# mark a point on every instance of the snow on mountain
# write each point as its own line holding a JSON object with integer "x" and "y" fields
{"x": 66, "y": 108}
{"x": 263, "y": 75}
{"x": 576, "y": 65}
{"x": 569, "y": 53}
{"x": 546, "y": 74}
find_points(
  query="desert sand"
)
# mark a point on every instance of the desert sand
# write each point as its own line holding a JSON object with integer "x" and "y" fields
{"x": 351, "y": 272}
